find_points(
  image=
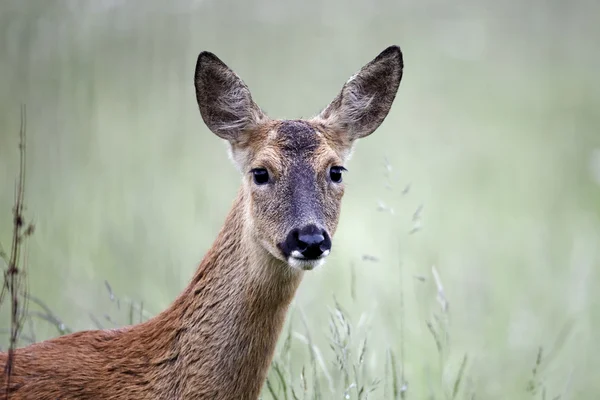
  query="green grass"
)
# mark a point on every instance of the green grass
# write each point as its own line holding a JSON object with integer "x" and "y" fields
{"x": 489, "y": 161}
{"x": 303, "y": 370}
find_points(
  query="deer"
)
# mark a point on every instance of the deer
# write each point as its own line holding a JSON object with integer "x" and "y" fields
{"x": 217, "y": 339}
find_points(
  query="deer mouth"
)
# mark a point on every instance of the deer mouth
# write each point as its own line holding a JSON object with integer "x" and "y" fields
{"x": 298, "y": 261}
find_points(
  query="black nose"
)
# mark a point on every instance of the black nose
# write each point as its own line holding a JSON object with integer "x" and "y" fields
{"x": 308, "y": 242}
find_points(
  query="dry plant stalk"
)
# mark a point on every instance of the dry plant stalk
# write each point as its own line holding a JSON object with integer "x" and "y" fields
{"x": 14, "y": 275}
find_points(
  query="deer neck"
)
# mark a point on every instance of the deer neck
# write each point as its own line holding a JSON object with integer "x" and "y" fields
{"x": 224, "y": 327}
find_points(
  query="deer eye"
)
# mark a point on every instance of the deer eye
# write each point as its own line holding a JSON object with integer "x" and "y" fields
{"x": 335, "y": 174}
{"x": 261, "y": 176}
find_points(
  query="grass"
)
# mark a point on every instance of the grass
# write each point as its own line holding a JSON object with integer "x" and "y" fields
{"x": 339, "y": 371}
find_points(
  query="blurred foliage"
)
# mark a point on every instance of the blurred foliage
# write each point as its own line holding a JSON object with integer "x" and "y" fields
{"x": 493, "y": 139}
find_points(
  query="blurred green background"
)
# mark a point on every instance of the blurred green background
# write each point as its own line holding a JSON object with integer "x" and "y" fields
{"x": 490, "y": 160}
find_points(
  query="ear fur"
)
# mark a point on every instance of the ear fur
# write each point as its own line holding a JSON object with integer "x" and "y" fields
{"x": 366, "y": 98}
{"x": 224, "y": 100}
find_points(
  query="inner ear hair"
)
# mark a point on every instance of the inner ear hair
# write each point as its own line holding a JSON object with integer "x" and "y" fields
{"x": 366, "y": 98}
{"x": 224, "y": 100}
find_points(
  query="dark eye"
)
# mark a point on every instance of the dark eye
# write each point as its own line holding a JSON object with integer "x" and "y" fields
{"x": 261, "y": 176}
{"x": 335, "y": 174}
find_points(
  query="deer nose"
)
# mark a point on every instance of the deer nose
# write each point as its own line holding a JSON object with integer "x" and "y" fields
{"x": 309, "y": 242}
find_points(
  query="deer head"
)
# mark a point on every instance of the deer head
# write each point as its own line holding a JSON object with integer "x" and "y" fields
{"x": 292, "y": 169}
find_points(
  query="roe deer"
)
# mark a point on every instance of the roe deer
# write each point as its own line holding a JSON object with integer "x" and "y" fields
{"x": 217, "y": 339}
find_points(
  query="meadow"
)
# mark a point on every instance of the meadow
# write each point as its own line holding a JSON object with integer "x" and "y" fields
{"x": 465, "y": 263}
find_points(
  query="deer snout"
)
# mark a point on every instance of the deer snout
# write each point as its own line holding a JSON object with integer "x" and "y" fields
{"x": 308, "y": 243}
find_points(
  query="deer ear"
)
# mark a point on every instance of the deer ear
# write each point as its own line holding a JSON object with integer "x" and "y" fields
{"x": 367, "y": 97}
{"x": 224, "y": 99}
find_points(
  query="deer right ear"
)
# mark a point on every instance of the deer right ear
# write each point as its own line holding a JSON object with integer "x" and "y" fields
{"x": 224, "y": 99}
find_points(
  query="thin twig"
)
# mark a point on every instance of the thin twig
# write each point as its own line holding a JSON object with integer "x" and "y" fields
{"x": 14, "y": 276}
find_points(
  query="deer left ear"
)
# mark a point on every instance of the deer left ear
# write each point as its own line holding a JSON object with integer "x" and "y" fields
{"x": 366, "y": 98}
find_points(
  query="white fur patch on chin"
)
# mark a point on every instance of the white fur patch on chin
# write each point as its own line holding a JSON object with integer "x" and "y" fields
{"x": 305, "y": 265}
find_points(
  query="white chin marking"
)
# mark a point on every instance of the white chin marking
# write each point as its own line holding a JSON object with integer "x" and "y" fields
{"x": 297, "y": 254}
{"x": 304, "y": 264}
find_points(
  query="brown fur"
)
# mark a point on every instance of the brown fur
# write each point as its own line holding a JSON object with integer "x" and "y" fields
{"x": 216, "y": 340}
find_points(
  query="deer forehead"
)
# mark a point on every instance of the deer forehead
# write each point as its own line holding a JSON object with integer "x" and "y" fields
{"x": 290, "y": 143}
